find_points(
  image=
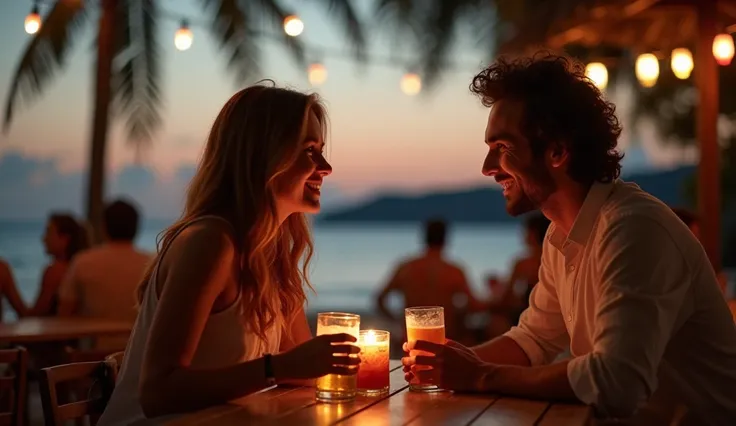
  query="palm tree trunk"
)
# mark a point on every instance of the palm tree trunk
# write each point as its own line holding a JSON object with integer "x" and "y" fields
{"x": 96, "y": 178}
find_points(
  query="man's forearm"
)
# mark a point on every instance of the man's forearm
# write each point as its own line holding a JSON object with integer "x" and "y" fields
{"x": 545, "y": 382}
{"x": 502, "y": 350}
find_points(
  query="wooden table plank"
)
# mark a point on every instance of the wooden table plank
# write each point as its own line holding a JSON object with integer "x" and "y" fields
{"x": 567, "y": 415}
{"x": 276, "y": 404}
{"x": 49, "y": 329}
{"x": 326, "y": 413}
{"x": 214, "y": 414}
{"x": 454, "y": 409}
{"x": 400, "y": 409}
{"x": 512, "y": 412}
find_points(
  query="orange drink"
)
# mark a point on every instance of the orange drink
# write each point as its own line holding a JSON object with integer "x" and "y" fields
{"x": 424, "y": 323}
{"x": 373, "y": 376}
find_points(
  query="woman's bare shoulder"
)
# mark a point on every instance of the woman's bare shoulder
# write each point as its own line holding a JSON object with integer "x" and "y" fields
{"x": 201, "y": 250}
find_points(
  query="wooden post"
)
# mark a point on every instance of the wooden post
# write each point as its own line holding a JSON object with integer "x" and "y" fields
{"x": 709, "y": 169}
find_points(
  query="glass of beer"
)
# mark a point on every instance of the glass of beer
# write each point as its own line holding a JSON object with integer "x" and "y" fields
{"x": 424, "y": 323}
{"x": 373, "y": 376}
{"x": 337, "y": 387}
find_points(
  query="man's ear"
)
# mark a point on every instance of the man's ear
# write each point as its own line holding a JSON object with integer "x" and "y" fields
{"x": 557, "y": 154}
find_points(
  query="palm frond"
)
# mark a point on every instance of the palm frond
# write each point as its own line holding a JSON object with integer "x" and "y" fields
{"x": 401, "y": 18}
{"x": 235, "y": 33}
{"x": 136, "y": 73}
{"x": 44, "y": 55}
{"x": 345, "y": 12}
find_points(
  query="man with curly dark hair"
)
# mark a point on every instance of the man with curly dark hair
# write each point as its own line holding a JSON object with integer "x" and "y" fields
{"x": 623, "y": 283}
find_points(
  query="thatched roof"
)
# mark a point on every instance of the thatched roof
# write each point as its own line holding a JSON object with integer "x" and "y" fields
{"x": 639, "y": 25}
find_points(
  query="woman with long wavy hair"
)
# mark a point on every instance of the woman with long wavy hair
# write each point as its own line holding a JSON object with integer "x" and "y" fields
{"x": 221, "y": 308}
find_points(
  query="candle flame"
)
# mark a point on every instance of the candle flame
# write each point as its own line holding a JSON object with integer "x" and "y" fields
{"x": 370, "y": 337}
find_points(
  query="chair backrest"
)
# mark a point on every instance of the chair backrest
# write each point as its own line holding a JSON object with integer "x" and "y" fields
{"x": 13, "y": 382}
{"x": 101, "y": 376}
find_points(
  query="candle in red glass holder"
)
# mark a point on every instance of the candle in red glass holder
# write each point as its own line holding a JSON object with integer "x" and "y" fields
{"x": 374, "y": 353}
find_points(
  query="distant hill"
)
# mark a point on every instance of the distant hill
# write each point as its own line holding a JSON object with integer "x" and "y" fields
{"x": 486, "y": 204}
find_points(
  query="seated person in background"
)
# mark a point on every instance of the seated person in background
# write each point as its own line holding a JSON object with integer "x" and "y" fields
{"x": 509, "y": 305}
{"x": 101, "y": 281}
{"x": 63, "y": 239}
{"x": 8, "y": 290}
{"x": 692, "y": 222}
{"x": 431, "y": 280}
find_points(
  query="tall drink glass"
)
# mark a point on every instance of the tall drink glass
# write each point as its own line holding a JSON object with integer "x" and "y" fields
{"x": 337, "y": 387}
{"x": 424, "y": 323}
{"x": 373, "y": 376}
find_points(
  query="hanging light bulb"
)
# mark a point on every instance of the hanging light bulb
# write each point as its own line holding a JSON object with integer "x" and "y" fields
{"x": 723, "y": 49}
{"x": 317, "y": 74}
{"x": 647, "y": 69}
{"x": 293, "y": 26}
{"x": 33, "y": 21}
{"x": 411, "y": 84}
{"x": 682, "y": 63}
{"x": 183, "y": 37}
{"x": 598, "y": 74}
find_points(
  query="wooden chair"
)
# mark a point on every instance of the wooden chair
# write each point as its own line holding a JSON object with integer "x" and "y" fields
{"x": 13, "y": 386}
{"x": 71, "y": 391}
{"x": 101, "y": 375}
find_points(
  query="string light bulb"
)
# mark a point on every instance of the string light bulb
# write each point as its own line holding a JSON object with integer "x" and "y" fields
{"x": 411, "y": 84}
{"x": 293, "y": 26}
{"x": 183, "y": 38}
{"x": 682, "y": 63}
{"x": 723, "y": 49}
{"x": 647, "y": 69}
{"x": 33, "y": 21}
{"x": 598, "y": 74}
{"x": 317, "y": 74}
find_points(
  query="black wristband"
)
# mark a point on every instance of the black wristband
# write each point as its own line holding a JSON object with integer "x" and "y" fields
{"x": 268, "y": 369}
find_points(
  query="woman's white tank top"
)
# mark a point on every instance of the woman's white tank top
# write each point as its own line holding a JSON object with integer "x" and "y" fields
{"x": 224, "y": 341}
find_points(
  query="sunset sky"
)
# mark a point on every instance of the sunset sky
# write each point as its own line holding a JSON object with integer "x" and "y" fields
{"x": 380, "y": 138}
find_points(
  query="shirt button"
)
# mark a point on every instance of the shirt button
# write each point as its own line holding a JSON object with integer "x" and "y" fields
{"x": 569, "y": 318}
{"x": 571, "y": 268}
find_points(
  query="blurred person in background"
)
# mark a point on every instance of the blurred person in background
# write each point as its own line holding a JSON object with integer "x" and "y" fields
{"x": 508, "y": 306}
{"x": 691, "y": 220}
{"x": 102, "y": 280}
{"x": 63, "y": 240}
{"x": 430, "y": 279}
{"x": 9, "y": 291}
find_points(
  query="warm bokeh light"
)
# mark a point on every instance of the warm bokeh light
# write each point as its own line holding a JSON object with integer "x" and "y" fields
{"x": 33, "y": 22}
{"x": 411, "y": 84}
{"x": 723, "y": 49}
{"x": 682, "y": 63}
{"x": 598, "y": 74}
{"x": 293, "y": 26}
{"x": 183, "y": 38}
{"x": 647, "y": 69}
{"x": 317, "y": 74}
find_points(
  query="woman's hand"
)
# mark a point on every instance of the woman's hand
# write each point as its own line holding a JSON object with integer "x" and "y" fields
{"x": 325, "y": 354}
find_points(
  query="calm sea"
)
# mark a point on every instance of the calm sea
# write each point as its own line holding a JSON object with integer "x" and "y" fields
{"x": 351, "y": 261}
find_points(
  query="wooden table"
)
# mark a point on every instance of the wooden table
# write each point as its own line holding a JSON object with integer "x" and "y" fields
{"x": 296, "y": 406}
{"x": 54, "y": 329}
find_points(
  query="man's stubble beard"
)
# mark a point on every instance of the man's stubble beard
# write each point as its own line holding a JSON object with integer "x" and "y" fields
{"x": 538, "y": 186}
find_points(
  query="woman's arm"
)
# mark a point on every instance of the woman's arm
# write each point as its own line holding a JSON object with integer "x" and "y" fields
{"x": 10, "y": 289}
{"x": 196, "y": 270}
{"x": 298, "y": 332}
{"x": 199, "y": 271}
{"x": 50, "y": 283}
